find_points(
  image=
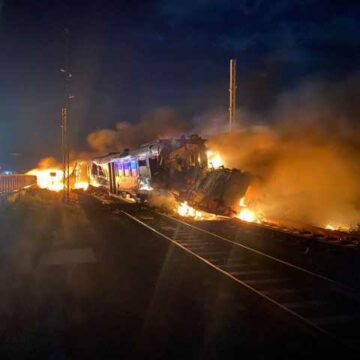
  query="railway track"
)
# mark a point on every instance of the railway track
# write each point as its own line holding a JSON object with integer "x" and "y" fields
{"x": 321, "y": 304}
{"x": 302, "y": 231}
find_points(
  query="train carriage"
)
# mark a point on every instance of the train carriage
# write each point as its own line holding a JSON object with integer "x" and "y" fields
{"x": 177, "y": 165}
{"x": 165, "y": 164}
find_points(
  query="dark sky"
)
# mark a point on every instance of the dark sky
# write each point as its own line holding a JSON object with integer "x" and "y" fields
{"x": 131, "y": 57}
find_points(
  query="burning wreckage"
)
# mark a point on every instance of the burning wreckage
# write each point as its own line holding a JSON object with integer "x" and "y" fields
{"x": 180, "y": 166}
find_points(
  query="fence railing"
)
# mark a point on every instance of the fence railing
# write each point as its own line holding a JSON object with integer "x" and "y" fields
{"x": 15, "y": 182}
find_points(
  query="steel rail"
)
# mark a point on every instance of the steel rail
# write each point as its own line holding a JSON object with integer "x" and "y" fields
{"x": 308, "y": 323}
{"x": 335, "y": 283}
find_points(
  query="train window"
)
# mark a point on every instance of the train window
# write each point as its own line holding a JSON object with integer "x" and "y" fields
{"x": 120, "y": 171}
{"x": 133, "y": 168}
{"x": 127, "y": 169}
{"x": 142, "y": 162}
{"x": 94, "y": 170}
{"x": 101, "y": 171}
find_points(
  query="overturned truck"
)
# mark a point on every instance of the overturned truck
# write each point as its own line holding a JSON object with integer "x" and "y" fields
{"x": 177, "y": 165}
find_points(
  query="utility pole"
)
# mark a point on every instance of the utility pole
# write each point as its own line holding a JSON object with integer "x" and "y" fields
{"x": 232, "y": 107}
{"x": 65, "y": 117}
{"x": 64, "y": 150}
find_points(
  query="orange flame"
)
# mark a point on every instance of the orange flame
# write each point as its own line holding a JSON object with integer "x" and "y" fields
{"x": 185, "y": 210}
{"x": 51, "y": 179}
{"x": 81, "y": 185}
{"x": 214, "y": 159}
{"x": 247, "y": 214}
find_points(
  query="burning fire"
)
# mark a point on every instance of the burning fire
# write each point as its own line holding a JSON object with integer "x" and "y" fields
{"x": 185, "y": 210}
{"x": 51, "y": 179}
{"x": 330, "y": 227}
{"x": 246, "y": 214}
{"x": 334, "y": 227}
{"x": 214, "y": 159}
{"x": 81, "y": 185}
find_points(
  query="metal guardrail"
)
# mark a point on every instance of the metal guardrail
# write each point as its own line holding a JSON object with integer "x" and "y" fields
{"x": 15, "y": 182}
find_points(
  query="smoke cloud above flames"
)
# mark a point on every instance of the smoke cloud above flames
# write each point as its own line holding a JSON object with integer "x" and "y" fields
{"x": 306, "y": 163}
{"x": 161, "y": 123}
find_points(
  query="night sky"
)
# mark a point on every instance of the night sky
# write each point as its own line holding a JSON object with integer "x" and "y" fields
{"x": 132, "y": 57}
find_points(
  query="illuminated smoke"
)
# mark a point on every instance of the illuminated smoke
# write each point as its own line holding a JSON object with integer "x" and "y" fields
{"x": 162, "y": 123}
{"x": 48, "y": 162}
{"x": 166, "y": 201}
{"x": 307, "y": 162}
{"x": 304, "y": 154}
{"x": 103, "y": 140}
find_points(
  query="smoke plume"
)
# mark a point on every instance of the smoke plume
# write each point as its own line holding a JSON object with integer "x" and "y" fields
{"x": 303, "y": 154}
{"x": 47, "y": 163}
{"x": 162, "y": 123}
{"x": 306, "y": 163}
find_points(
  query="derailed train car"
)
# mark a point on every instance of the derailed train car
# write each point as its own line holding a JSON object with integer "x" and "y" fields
{"x": 219, "y": 191}
{"x": 178, "y": 165}
{"x": 165, "y": 164}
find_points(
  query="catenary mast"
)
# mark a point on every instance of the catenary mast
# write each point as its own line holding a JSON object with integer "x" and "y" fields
{"x": 65, "y": 117}
{"x": 232, "y": 90}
